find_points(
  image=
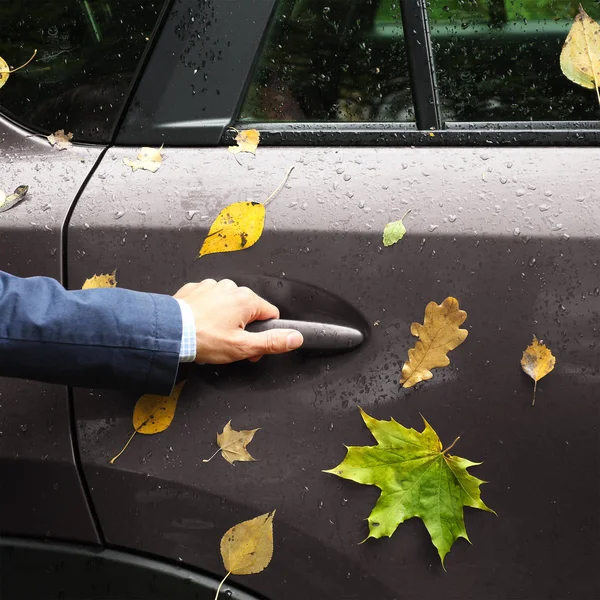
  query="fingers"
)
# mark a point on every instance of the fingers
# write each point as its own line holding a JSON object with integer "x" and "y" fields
{"x": 260, "y": 309}
{"x": 274, "y": 341}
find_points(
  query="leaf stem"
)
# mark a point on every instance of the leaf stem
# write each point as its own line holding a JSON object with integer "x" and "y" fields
{"x": 534, "y": 389}
{"x": 217, "y": 452}
{"x": 280, "y": 186}
{"x": 124, "y": 447}
{"x": 451, "y": 445}
{"x": 23, "y": 66}
{"x": 406, "y": 214}
{"x": 220, "y": 585}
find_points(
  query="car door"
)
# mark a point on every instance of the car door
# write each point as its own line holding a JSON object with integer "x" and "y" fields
{"x": 67, "y": 85}
{"x": 502, "y": 228}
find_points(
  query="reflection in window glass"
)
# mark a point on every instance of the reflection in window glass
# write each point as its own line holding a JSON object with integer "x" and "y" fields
{"x": 88, "y": 51}
{"x": 328, "y": 60}
{"x": 498, "y": 60}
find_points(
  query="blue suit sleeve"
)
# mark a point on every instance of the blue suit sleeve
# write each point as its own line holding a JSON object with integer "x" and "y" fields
{"x": 110, "y": 338}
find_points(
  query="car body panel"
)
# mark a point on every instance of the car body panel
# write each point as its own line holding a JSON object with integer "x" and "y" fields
{"x": 512, "y": 233}
{"x": 37, "y": 465}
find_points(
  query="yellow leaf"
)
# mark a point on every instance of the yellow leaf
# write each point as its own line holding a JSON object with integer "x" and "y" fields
{"x": 438, "y": 335}
{"x": 247, "y": 141}
{"x": 247, "y": 548}
{"x": 537, "y": 361}
{"x": 232, "y": 444}
{"x": 580, "y": 55}
{"x": 60, "y": 140}
{"x": 100, "y": 281}
{"x": 153, "y": 414}
{"x": 5, "y": 70}
{"x": 237, "y": 227}
{"x": 149, "y": 159}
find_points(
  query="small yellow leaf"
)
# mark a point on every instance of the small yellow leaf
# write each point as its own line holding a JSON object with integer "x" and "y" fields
{"x": 237, "y": 227}
{"x": 232, "y": 444}
{"x": 101, "y": 281}
{"x": 247, "y": 141}
{"x": 438, "y": 335}
{"x": 149, "y": 159}
{"x": 580, "y": 55}
{"x": 537, "y": 361}
{"x": 153, "y": 414}
{"x": 5, "y": 70}
{"x": 60, "y": 140}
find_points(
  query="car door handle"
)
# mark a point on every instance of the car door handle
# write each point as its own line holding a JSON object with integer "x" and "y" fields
{"x": 317, "y": 336}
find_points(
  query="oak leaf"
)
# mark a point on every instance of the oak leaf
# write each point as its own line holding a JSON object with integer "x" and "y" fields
{"x": 247, "y": 548}
{"x": 5, "y": 70}
{"x": 100, "y": 281}
{"x": 247, "y": 141}
{"x": 153, "y": 414}
{"x": 580, "y": 55}
{"x": 394, "y": 231}
{"x": 537, "y": 361}
{"x": 438, "y": 335}
{"x": 417, "y": 478}
{"x": 10, "y": 201}
{"x": 60, "y": 140}
{"x": 149, "y": 159}
{"x": 238, "y": 226}
{"x": 232, "y": 444}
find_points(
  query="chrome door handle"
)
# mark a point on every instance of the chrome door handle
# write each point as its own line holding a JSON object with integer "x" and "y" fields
{"x": 317, "y": 336}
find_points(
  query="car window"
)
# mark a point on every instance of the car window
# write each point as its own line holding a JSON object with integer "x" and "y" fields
{"x": 326, "y": 61}
{"x": 499, "y": 60}
{"x": 87, "y": 53}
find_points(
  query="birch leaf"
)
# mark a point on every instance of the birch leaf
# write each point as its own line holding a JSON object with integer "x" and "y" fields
{"x": 247, "y": 141}
{"x": 101, "y": 281}
{"x": 438, "y": 335}
{"x": 10, "y": 201}
{"x": 5, "y": 70}
{"x": 153, "y": 414}
{"x": 232, "y": 444}
{"x": 537, "y": 361}
{"x": 149, "y": 159}
{"x": 247, "y": 548}
{"x": 580, "y": 55}
{"x": 60, "y": 140}
{"x": 417, "y": 478}
{"x": 238, "y": 226}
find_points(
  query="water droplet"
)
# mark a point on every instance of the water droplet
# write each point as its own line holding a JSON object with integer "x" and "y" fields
{"x": 86, "y": 226}
{"x": 189, "y": 215}
{"x": 452, "y": 218}
{"x": 320, "y": 505}
{"x": 544, "y": 207}
{"x": 119, "y": 214}
{"x": 361, "y": 204}
{"x": 596, "y": 291}
{"x": 516, "y": 231}
{"x": 347, "y": 177}
{"x": 531, "y": 261}
{"x": 344, "y": 501}
{"x": 23, "y": 428}
{"x": 330, "y": 426}
{"x": 405, "y": 165}
{"x": 433, "y": 227}
{"x": 503, "y": 179}
{"x": 580, "y": 199}
{"x": 520, "y": 192}
{"x": 547, "y": 193}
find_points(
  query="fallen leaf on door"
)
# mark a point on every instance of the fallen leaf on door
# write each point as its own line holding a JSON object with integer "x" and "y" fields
{"x": 10, "y": 201}
{"x": 101, "y": 281}
{"x": 153, "y": 414}
{"x": 417, "y": 478}
{"x": 580, "y": 55}
{"x": 149, "y": 159}
{"x": 238, "y": 226}
{"x": 247, "y": 548}
{"x": 247, "y": 141}
{"x": 5, "y": 70}
{"x": 232, "y": 444}
{"x": 438, "y": 335}
{"x": 537, "y": 361}
{"x": 60, "y": 140}
{"x": 394, "y": 231}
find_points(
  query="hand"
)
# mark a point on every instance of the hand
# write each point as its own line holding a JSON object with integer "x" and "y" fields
{"x": 222, "y": 310}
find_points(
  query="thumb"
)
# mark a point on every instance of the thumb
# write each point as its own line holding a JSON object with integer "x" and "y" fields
{"x": 273, "y": 341}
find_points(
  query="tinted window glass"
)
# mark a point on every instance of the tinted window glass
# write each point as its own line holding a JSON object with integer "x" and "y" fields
{"x": 88, "y": 51}
{"x": 498, "y": 60}
{"x": 332, "y": 60}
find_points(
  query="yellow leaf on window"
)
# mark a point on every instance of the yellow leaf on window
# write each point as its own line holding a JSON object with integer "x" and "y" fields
{"x": 537, "y": 361}
{"x": 247, "y": 141}
{"x": 5, "y": 70}
{"x": 247, "y": 548}
{"x": 439, "y": 334}
{"x": 149, "y": 159}
{"x": 60, "y": 140}
{"x": 153, "y": 414}
{"x": 101, "y": 281}
{"x": 580, "y": 55}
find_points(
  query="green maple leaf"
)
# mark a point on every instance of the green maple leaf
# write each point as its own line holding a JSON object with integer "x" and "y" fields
{"x": 417, "y": 478}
